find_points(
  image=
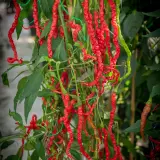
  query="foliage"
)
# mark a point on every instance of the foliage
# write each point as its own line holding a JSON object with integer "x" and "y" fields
{"x": 56, "y": 77}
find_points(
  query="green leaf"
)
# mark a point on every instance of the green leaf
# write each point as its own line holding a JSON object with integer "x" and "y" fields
{"x": 42, "y": 59}
{"x": 46, "y": 30}
{"x": 122, "y": 16}
{"x": 132, "y": 24}
{"x": 32, "y": 85}
{"x": 28, "y": 103}
{"x": 22, "y": 16}
{"x": 60, "y": 53}
{"x": 20, "y": 89}
{"x": 155, "y": 33}
{"x": 16, "y": 116}
{"x": 155, "y": 67}
{"x": 29, "y": 157}
{"x": 12, "y": 157}
{"x": 40, "y": 150}
{"x": 5, "y": 79}
{"x": 77, "y": 9}
{"x": 155, "y": 90}
{"x": 135, "y": 128}
{"x": 128, "y": 145}
{"x": 7, "y": 138}
{"x": 34, "y": 155}
{"x": 46, "y": 6}
{"x": 76, "y": 154}
{"x": 153, "y": 14}
{"x": 35, "y": 51}
{"x": 45, "y": 93}
{"x": 43, "y": 48}
{"x": 29, "y": 146}
{"x": 6, "y": 144}
{"x": 153, "y": 80}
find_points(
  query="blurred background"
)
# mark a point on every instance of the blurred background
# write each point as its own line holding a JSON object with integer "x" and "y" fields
{"x": 24, "y": 47}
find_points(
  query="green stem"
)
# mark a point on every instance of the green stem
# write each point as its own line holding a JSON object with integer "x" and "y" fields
{"x": 123, "y": 43}
{"x": 57, "y": 69}
{"x": 63, "y": 25}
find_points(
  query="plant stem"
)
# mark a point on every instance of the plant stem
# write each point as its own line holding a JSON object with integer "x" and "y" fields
{"x": 133, "y": 107}
{"x": 63, "y": 25}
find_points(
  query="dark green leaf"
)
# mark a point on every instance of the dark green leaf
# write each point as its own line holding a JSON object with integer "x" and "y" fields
{"x": 16, "y": 116}
{"x": 7, "y": 138}
{"x": 153, "y": 14}
{"x": 22, "y": 16}
{"x": 153, "y": 80}
{"x": 154, "y": 67}
{"x": 40, "y": 150}
{"x": 12, "y": 157}
{"x": 122, "y": 16}
{"x": 6, "y": 144}
{"x": 28, "y": 103}
{"x": 76, "y": 154}
{"x": 35, "y": 51}
{"x": 34, "y": 155}
{"x": 19, "y": 29}
{"x": 155, "y": 33}
{"x": 46, "y": 30}
{"x": 20, "y": 89}
{"x": 60, "y": 53}
{"x": 135, "y": 128}
{"x": 128, "y": 144}
{"x": 155, "y": 90}
{"x": 33, "y": 84}
{"x": 132, "y": 24}
{"x": 46, "y": 6}
{"x": 5, "y": 79}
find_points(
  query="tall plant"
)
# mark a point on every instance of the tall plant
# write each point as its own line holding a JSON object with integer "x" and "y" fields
{"x": 73, "y": 62}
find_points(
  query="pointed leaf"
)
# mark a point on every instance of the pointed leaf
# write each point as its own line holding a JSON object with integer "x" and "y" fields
{"x": 46, "y": 6}
{"x": 134, "y": 128}
{"x": 155, "y": 33}
{"x": 153, "y": 14}
{"x": 22, "y": 16}
{"x": 6, "y": 144}
{"x": 28, "y": 103}
{"x": 32, "y": 85}
{"x": 76, "y": 154}
{"x": 5, "y": 79}
{"x": 16, "y": 116}
{"x": 35, "y": 51}
{"x": 60, "y": 53}
{"x": 20, "y": 89}
{"x": 46, "y": 30}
